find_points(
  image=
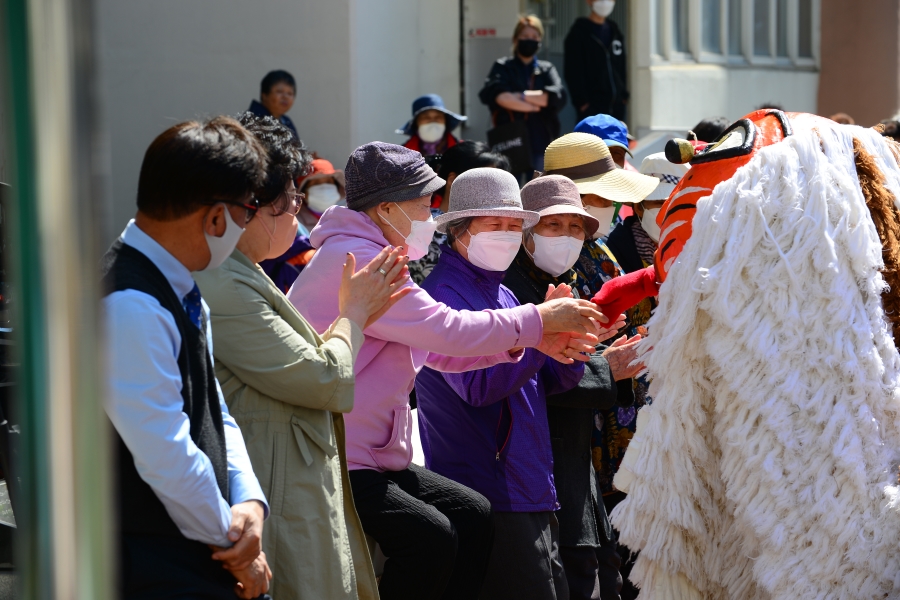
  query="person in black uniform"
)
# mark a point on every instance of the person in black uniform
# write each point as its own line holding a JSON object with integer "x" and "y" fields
{"x": 523, "y": 88}
{"x": 594, "y": 64}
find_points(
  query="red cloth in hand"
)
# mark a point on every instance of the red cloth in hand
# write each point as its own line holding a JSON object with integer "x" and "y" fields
{"x": 619, "y": 294}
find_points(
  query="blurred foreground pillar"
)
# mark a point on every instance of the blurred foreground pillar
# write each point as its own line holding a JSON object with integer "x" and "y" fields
{"x": 61, "y": 469}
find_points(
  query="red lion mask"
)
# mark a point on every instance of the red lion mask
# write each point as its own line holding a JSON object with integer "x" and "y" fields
{"x": 710, "y": 166}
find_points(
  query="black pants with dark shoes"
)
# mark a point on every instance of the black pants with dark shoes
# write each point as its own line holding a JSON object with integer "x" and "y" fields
{"x": 436, "y": 534}
{"x": 629, "y": 557}
{"x": 163, "y": 567}
{"x": 592, "y": 573}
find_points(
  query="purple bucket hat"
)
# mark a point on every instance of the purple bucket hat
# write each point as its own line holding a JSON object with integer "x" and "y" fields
{"x": 378, "y": 172}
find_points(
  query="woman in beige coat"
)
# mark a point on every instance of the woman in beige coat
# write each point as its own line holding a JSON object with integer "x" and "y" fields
{"x": 287, "y": 386}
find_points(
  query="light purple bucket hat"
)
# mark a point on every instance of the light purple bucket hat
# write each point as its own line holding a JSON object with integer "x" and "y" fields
{"x": 486, "y": 192}
{"x": 557, "y": 195}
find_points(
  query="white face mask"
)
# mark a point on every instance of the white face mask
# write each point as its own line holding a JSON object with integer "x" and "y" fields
{"x": 556, "y": 255}
{"x": 420, "y": 235}
{"x": 431, "y": 132}
{"x": 220, "y": 248}
{"x": 648, "y": 223}
{"x": 321, "y": 197}
{"x": 493, "y": 250}
{"x": 603, "y": 8}
{"x": 604, "y": 215}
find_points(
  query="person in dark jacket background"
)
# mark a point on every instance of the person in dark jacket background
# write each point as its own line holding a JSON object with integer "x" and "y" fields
{"x": 595, "y": 64}
{"x": 276, "y": 97}
{"x": 523, "y": 88}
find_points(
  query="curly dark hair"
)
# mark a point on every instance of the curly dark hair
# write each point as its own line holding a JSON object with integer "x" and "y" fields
{"x": 289, "y": 158}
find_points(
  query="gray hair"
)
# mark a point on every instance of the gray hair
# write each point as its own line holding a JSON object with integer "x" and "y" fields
{"x": 456, "y": 228}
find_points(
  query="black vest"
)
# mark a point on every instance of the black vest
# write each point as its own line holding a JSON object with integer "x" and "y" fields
{"x": 140, "y": 511}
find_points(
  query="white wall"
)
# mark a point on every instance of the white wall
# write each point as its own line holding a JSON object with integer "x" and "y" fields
{"x": 358, "y": 65}
{"x": 676, "y": 92}
{"x": 401, "y": 50}
{"x": 677, "y": 97}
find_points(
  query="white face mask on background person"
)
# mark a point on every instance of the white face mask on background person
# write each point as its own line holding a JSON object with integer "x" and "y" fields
{"x": 321, "y": 197}
{"x": 431, "y": 132}
{"x": 556, "y": 255}
{"x": 420, "y": 235}
{"x": 603, "y": 8}
{"x": 604, "y": 215}
{"x": 220, "y": 248}
{"x": 648, "y": 223}
{"x": 493, "y": 250}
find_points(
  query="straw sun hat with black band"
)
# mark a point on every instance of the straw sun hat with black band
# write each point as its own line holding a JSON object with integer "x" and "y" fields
{"x": 586, "y": 160}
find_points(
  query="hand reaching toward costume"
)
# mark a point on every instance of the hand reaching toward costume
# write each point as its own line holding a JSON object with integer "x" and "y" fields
{"x": 567, "y": 347}
{"x": 621, "y": 293}
{"x": 610, "y": 331}
{"x": 365, "y": 295}
{"x": 622, "y": 358}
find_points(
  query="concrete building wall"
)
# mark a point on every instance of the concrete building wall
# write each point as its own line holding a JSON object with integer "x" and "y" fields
{"x": 400, "y": 49}
{"x": 673, "y": 90}
{"x": 358, "y": 65}
{"x": 860, "y": 59}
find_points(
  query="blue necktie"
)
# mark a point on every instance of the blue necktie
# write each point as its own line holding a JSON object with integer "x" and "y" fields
{"x": 193, "y": 307}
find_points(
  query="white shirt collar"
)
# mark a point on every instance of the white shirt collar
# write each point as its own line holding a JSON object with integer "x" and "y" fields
{"x": 176, "y": 273}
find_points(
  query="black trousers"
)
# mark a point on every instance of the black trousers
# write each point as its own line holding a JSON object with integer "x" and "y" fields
{"x": 436, "y": 534}
{"x": 592, "y": 573}
{"x": 525, "y": 562}
{"x": 156, "y": 566}
{"x": 629, "y": 591}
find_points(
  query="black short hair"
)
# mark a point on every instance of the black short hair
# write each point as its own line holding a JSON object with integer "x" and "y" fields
{"x": 289, "y": 158}
{"x": 275, "y": 77}
{"x": 890, "y": 128}
{"x": 770, "y": 106}
{"x": 193, "y": 164}
{"x": 708, "y": 130}
{"x": 464, "y": 156}
{"x": 470, "y": 155}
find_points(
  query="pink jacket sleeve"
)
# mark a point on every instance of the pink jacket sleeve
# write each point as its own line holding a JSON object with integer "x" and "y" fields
{"x": 461, "y": 364}
{"x": 421, "y": 322}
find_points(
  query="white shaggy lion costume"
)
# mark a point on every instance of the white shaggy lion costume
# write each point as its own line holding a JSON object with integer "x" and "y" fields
{"x": 766, "y": 467}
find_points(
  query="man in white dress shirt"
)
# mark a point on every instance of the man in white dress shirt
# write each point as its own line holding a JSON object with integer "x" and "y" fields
{"x": 191, "y": 510}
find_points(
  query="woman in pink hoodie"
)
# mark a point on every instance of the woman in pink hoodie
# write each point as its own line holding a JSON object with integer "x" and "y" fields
{"x": 435, "y": 533}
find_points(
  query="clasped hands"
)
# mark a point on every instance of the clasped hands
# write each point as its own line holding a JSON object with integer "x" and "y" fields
{"x": 567, "y": 347}
{"x": 245, "y": 559}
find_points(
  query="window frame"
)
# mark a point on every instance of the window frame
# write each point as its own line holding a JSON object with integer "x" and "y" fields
{"x": 662, "y": 15}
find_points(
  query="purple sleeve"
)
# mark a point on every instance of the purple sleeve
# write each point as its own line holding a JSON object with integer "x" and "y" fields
{"x": 487, "y": 386}
{"x": 558, "y": 378}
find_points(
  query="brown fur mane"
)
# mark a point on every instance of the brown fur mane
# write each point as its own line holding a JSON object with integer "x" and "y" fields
{"x": 886, "y": 217}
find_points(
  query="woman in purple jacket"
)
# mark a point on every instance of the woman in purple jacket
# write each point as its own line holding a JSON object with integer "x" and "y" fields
{"x": 489, "y": 427}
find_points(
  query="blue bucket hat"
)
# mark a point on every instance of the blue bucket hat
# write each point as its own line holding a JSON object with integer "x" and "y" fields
{"x": 430, "y": 102}
{"x": 612, "y": 131}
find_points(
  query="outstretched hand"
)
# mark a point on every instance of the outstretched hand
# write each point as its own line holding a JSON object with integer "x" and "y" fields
{"x": 365, "y": 295}
{"x": 563, "y": 290}
{"x": 568, "y": 347}
{"x": 623, "y": 359}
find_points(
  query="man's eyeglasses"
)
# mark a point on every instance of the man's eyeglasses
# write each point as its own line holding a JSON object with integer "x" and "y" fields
{"x": 290, "y": 204}
{"x": 252, "y": 208}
